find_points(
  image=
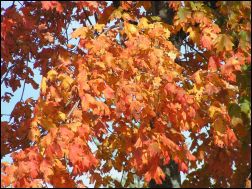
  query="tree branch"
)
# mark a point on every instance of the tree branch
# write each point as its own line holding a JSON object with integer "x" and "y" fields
{"x": 8, "y": 72}
{"x": 21, "y": 99}
{"x": 196, "y": 50}
{"x": 5, "y": 115}
{"x": 13, "y": 3}
{"x": 110, "y": 28}
{"x": 87, "y": 17}
{"x": 73, "y": 108}
{"x": 67, "y": 34}
{"x": 122, "y": 177}
{"x": 21, "y": 4}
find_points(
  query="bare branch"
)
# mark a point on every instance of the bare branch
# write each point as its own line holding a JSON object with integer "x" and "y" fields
{"x": 87, "y": 17}
{"x": 8, "y": 72}
{"x": 73, "y": 108}
{"x": 21, "y": 99}
{"x": 196, "y": 50}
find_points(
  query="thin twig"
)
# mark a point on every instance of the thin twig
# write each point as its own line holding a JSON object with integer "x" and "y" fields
{"x": 73, "y": 108}
{"x": 21, "y": 4}
{"x": 96, "y": 17}
{"x": 5, "y": 115}
{"x": 87, "y": 17}
{"x": 249, "y": 176}
{"x": 21, "y": 99}
{"x": 196, "y": 51}
{"x": 67, "y": 37}
{"x": 8, "y": 72}
{"x": 122, "y": 176}
{"x": 109, "y": 130}
{"x": 13, "y": 3}
{"x": 110, "y": 28}
{"x": 89, "y": 21}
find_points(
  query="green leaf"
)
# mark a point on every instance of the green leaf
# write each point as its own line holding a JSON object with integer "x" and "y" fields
{"x": 184, "y": 13}
{"x": 223, "y": 43}
{"x": 245, "y": 107}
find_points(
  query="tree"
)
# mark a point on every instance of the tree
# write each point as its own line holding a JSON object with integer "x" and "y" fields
{"x": 142, "y": 73}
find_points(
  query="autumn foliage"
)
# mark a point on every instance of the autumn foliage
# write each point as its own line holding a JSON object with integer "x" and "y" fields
{"x": 131, "y": 85}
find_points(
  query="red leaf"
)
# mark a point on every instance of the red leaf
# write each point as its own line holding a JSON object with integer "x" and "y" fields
{"x": 156, "y": 173}
{"x": 213, "y": 63}
{"x": 51, "y": 5}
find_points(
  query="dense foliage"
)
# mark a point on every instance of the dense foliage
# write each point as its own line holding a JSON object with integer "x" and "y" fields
{"x": 140, "y": 75}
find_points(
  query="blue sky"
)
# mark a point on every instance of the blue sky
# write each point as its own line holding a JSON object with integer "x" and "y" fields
{"x": 6, "y": 108}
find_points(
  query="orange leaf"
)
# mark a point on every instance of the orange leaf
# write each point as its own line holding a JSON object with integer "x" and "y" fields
{"x": 156, "y": 173}
{"x": 108, "y": 92}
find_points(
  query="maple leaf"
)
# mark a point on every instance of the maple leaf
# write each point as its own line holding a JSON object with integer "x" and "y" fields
{"x": 156, "y": 173}
{"x": 223, "y": 43}
{"x": 43, "y": 86}
{"x": 154, "y": 149}
{"x": 143, "y": 23}
{"x": 194, "y": 34}
{"x": 52, "y": 75}
{"x": 47, "y": 170}
{"x": 219, "y": 125}
{"x": 99, "y": 27}
{"x": 108, "y": 92}
{"x": 183, "y": 14}
{"x": 125, "y": 87}
{"x": 51, "y": 5}
{"x": 80, "y": 32}
{"x": 130, "y": 29}
{"x": 213, "y": 63}
{"x": 210, "y": 89}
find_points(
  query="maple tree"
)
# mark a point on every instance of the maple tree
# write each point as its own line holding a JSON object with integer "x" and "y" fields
{"x": 129, "y": 89}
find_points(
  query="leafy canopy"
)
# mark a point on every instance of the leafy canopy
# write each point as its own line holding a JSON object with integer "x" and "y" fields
{"x": 127, "y": 89}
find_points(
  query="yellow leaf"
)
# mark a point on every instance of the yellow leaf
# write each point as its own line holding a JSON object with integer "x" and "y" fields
{"x": 172, "y": 55}
{"x": 101, "y": 65}
{"x": 130, "y": 29}
{"x": 236, "y": 121}
{"x": 47, "y": 123}
{"x": 74, "y": 126}
{"x": 143, "y": 23}
{"x": 194, "y": 34}
{"x": 167, "y": 33}
{"x": 212, "y": 110}
{"x": 66, "y": 81}
{"x": 156, "y": 82}
{"x": 155, "y": 18}
{"x": 59, "y": 164}
{"x": 43, "y": 86}
{"x": 116, "y": 14}
{"x": 126, "y": 17}
{"x": 138, "y": 78}
{"x": 34, "y": 134}
{"x": 51, "y": 75}
{"x": 223, "y": 42}
{"x": 99, "y": 27}
{"x": 61, "y": 116}
{"x": 80, "y": 32}
{"x": 197, "y": 91}
{"x": 219, "y": 125}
